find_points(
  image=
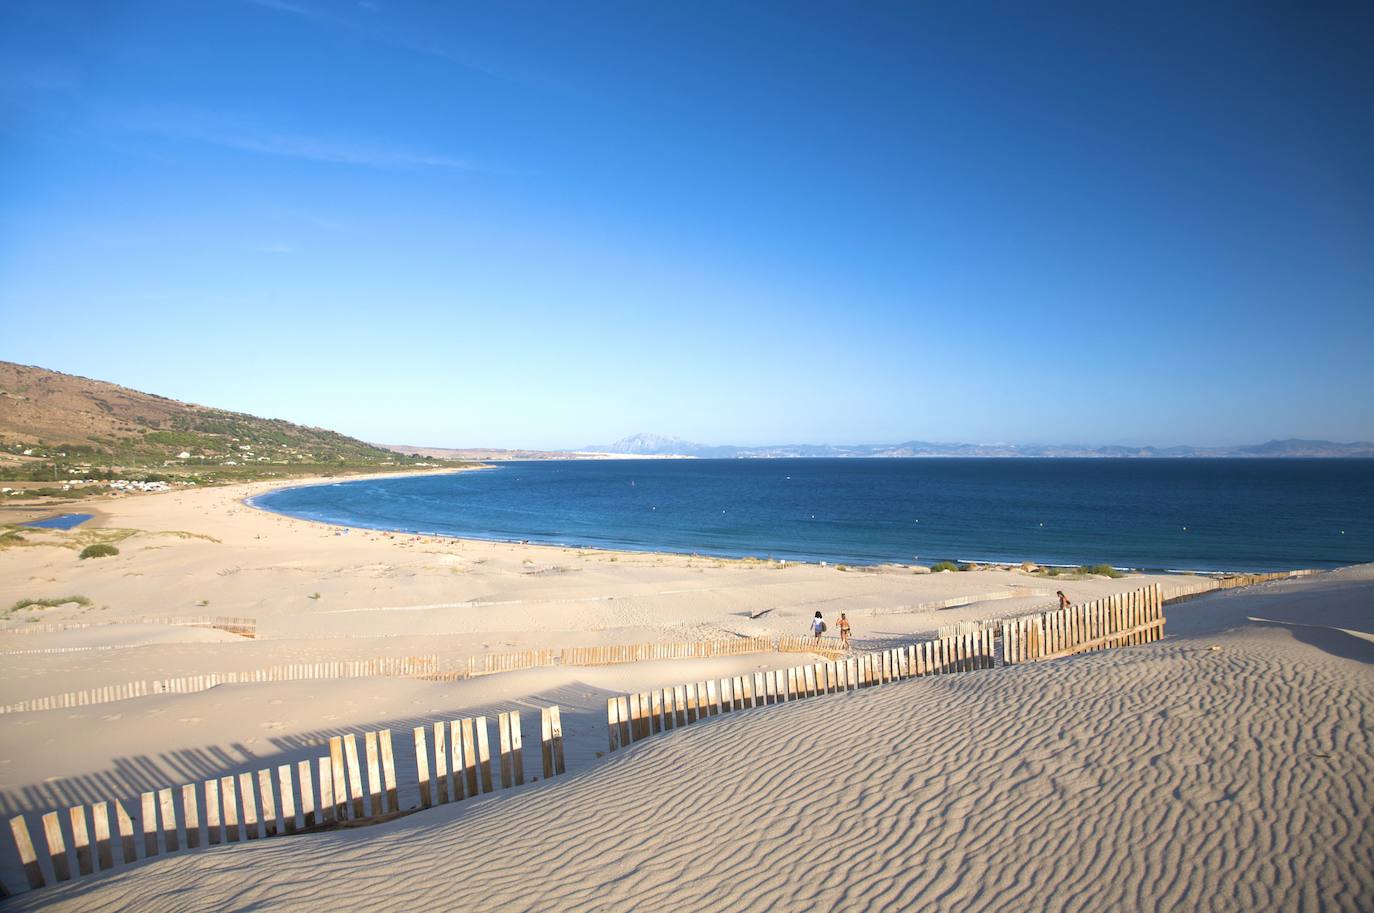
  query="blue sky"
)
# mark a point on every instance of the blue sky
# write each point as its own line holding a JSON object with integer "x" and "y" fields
{"x": 547, "y": 225}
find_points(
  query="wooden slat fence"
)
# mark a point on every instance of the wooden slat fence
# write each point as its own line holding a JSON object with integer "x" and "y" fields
{"x": 244, "y": 627}
{"x": 384, "y": 666}
{"x": 1124, "y": 618}
{"x": 633, "y": 717}
{"x": 346, "y": 784}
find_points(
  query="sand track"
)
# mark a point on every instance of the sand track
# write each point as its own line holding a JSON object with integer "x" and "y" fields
{"x": 1166, "y": 777}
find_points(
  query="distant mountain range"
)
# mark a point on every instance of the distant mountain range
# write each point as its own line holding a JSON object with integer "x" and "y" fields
{"x": 659, "y": 445}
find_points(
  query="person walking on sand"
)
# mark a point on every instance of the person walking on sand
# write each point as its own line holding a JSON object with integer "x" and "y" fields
{"x": 818, "y": 626}
{"x": 844, "y": 631}
{"x": 1063, "y": 600}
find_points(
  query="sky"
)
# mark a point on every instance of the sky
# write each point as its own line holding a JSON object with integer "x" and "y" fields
{"x": 553, "y": 225}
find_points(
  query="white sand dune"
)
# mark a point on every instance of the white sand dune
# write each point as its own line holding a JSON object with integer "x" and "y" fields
{"x": 1164, "y": 777}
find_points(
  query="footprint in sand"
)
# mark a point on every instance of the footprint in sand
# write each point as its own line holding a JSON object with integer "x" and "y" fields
{"x": 189, "y": 719}
{"x": 110, "y": 718}
{"x": 273, "y": 724}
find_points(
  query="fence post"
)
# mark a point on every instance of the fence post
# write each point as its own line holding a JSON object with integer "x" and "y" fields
{"x": 440, "y": 764}
{"x": 57, "y": 847}
{"x": 483, "y": 753}
{"x": 393, "y": 803}
{"x": 307, "y": 793}
{"x": 33, "y": 872}
{"x": 250, "y": 806}
{"x": 336, "y": 776}
{"x": 355, "y": 777}
{"x": 455, "y": 750}
{"x": 512, "y": 749}
{"x": 325, "y": 766}
{"x": 269, "y": 805}
{"x": 192, "y": 813}
{"x": 556, "y": 739}
{"x": 680, "y": 705}
{"x": 81, "y": 840}
{"x": 469, "y": 756}
{"x": 148, "y": 807}
{"x": 612, "y": 723}
{"x": 104, "y": 848}
{"x": 287, "y": 789}
{"x": 422, "y": 767}
{"x": 504, "y": 741}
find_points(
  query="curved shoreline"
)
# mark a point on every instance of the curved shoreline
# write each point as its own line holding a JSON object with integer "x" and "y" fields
{"x": 252, "y": 500}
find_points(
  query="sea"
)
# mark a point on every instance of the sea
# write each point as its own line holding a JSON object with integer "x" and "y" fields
{"x": 1149, "y": 514}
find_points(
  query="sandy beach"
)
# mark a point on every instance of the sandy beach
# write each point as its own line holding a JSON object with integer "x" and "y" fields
{"x": 926, "y": 789}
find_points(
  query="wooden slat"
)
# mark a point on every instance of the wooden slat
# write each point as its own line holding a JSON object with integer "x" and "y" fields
{"x": 191, "y": 813}
{"x": 81, "y": 839}
{"x": 374, "y": 774}
{"x": 455, "y": 752}
{"x": 104, "y": 847}
{"x": 441, "y": 776}
{"x": 328, "y": 808}
{"x": 33, "y": 872}
{"x": 517, "y": 748}
{"x": 669, "y": 708}
{"x": 636, "y": 718}
{"x": 422, "y": 768}
{"x": 355, "y": 776}
{"x": 483, "y": 753}
{"x": 250, "y": 806}
{"x": 213, "y": 831}
{"x": 148, "y": 818}
{"x": 503, "y": 736}
{"x": 57, "y": 847}
{"x": 680, "y": 705}
{"x": 269, "y": 805}
{"x": 556, "y": 728}
{"x": 469, "y": 756}
{"x": 393, "y": 803}
{"x": 623, "y": 715}
{"x": 546, "y": 741}
{"x": 307, "y": 786}
{"x": 338, "y": 779}
{"x": 612, "y": 724}
{"x": 128, "y": 845}
{"x": 286, "y": 790}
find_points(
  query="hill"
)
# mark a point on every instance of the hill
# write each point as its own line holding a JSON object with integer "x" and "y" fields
{"x": 53, "y": 425}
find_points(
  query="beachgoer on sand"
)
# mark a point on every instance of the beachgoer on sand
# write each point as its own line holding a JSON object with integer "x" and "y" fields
{"x": 818, "y": 626}
{"x": 844, "y": 631}
{"x": 1063, "y": 600}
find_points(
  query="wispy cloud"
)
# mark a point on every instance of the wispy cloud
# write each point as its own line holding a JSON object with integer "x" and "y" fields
{"x": 370, "y": 31}
{"x": 201, "y": 127}
{"x": 339, "y": 152}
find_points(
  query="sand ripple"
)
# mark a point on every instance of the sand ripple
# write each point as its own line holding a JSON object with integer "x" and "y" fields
{"x": 1164, "y": 777}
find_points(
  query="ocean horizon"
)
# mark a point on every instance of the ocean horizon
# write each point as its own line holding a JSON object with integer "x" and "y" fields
{"x": 1206, "y": 515}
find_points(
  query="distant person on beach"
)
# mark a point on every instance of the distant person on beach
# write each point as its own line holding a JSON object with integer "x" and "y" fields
{"x": 844, "y": 631}
{"x": 818, "y": 626}
{"x": 1063, "y": 600}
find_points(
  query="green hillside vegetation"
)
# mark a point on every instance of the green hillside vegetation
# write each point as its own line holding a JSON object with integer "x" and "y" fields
{"x": 56, "y": 427}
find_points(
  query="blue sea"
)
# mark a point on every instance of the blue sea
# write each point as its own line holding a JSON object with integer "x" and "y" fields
{"x": 1176, "y": 514}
